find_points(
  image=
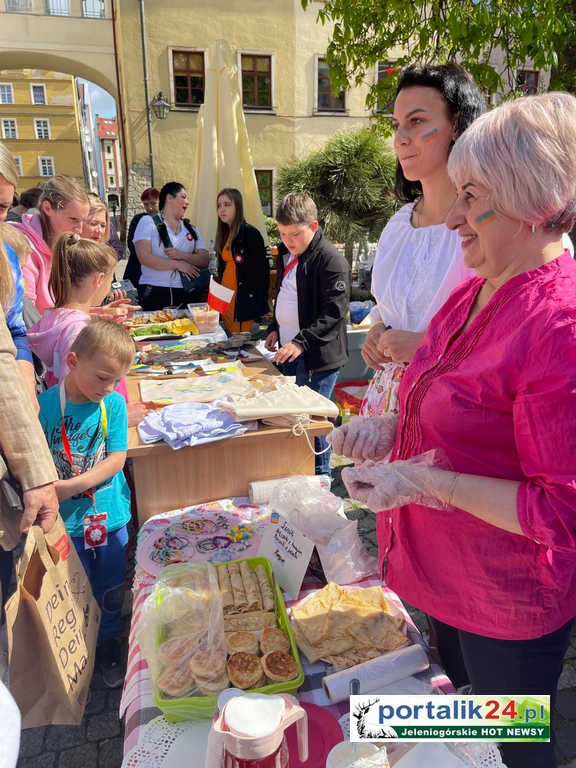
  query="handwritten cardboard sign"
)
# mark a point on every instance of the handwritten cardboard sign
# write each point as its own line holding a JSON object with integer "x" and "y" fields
{"x": 289, "y": 552}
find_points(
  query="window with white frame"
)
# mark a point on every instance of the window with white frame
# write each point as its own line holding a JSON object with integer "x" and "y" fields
{"x": 6, "y": 93}
{"x": 42, "y": 128}
{"x": 326, "y": 101}
{"x": 46, "y": 166}
{"x": 18, "y": 161}
{"x": 9, "y": 129}
{"x": 256, "y": 81}
{"x": 38, "y": 93}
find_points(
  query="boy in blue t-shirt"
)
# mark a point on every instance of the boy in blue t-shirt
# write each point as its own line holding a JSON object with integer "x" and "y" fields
{"x": 86, "y": 426}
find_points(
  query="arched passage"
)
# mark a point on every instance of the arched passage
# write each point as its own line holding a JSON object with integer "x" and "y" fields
{"x": 59, "y": 63}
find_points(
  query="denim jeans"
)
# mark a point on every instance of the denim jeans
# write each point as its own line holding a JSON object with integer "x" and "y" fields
{"x": 106, "y": 570}
{"x": 322, "y": 382}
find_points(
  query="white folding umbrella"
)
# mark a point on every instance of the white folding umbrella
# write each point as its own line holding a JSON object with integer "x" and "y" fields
{"x": 223, "y": 157}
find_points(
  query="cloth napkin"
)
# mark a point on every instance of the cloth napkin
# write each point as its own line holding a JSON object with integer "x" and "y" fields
{"x": 188, "y": 424}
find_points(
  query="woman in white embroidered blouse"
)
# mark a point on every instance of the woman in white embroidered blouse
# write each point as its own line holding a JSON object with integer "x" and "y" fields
{"x": 418, "y": 261}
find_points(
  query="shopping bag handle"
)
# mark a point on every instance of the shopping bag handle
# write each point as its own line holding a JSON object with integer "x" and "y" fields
{"x": 42, "y": 546}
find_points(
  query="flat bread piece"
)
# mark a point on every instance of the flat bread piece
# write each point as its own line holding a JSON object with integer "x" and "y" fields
{"x": 266, "y": 593}
{"x": 241, "y": 641}
{"x": 213, "y": 687}
{"x": 279, "y": 666}
{"x": 274, "y": 639}
{"x": 176, "y": 680}
{"x": 208, "y": 665}
{"x": 249, "y": 621}
{"x": 225, "y": 588}
{"x": 251, "y": 588}
{"x": 176, "y": 649}
{"x": 244, "y": 670}
{"x": 237, "y": 585}
{"x": 351, "y": 658}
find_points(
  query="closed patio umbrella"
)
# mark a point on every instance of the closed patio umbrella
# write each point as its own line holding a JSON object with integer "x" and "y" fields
{"x": 222, "y": 157}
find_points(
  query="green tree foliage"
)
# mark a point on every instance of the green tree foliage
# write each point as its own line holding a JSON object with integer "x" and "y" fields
{"x": 406, "y": 31}
{"x": 351, "y": 180}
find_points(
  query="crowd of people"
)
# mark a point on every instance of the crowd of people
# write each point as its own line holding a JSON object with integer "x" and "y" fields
{"x": 464, "y": 446}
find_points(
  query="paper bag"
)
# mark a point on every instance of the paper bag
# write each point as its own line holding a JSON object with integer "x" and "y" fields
{"x": 52, "y": 622}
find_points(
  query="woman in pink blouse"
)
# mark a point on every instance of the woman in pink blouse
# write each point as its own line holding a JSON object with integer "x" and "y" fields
{"x": 488, "y": 547}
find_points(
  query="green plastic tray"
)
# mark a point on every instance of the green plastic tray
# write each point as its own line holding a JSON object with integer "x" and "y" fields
{"x": 203, "y": 707}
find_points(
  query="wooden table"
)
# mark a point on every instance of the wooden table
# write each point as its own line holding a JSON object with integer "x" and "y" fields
{"x": 165, "y": 479}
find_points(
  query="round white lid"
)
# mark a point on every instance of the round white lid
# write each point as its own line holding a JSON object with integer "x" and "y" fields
{"x": 254, "y": 714}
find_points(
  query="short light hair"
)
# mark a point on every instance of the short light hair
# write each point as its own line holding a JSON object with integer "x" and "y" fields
{"x": 105, "y": 336}
{"x": 97, "y": 204}
{"x": 296, "y": 208}
{"x": 524, "y": 152}
{"x": 8, "y": 167}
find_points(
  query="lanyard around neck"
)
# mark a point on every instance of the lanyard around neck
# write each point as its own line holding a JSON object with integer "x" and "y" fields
{"x": 290, "y": 266}
{"x": 64, "y": 431}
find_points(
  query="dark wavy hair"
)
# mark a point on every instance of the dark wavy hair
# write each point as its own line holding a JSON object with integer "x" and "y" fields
{"x": 171, "y": 188}
{"x": 462, "y": 96}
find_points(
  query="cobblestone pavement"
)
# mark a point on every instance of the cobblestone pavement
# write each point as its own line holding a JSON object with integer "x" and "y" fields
{"x": 97, "y": 741}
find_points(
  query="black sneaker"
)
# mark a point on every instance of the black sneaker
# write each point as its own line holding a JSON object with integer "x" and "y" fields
{"x": 110, "y": 665}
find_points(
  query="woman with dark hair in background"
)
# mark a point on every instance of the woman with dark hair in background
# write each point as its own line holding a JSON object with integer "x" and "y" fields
{"x": 419, "y": 261}
{"x": 149, "y": 199}
{"x": 172, "y": 253}
{"x": 242, "y": 263}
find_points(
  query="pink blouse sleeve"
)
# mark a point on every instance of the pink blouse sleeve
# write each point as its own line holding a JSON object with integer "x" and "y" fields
{"x": 545, "y": 430}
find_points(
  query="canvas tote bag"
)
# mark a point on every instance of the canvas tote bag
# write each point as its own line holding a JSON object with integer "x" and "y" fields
{"x": 52, "y": 621}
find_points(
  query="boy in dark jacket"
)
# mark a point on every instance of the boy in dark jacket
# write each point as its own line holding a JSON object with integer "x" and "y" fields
{"x": 312, "y": 296}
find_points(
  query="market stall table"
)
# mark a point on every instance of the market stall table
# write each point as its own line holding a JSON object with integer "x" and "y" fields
{"x": 165, "y": 479}
{"x": 137, "y": 704}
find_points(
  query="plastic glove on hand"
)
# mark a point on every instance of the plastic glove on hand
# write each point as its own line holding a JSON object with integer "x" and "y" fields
{"x": 382, "y": 485}
{"x": 362, "y": 438}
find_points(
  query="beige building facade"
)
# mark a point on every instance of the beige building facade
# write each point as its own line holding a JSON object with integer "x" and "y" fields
{"x": 283, "y": 79}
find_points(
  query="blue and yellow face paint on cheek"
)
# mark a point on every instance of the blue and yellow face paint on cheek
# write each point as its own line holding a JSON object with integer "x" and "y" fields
{"x": 430, "y": 135}
{"x": 486, "y": 218}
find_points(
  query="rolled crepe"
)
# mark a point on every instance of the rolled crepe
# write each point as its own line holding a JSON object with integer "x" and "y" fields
{"x": 376, "y": 673}
{"x": 238, "y": 592}
{"x": 225, "y": 588}
{"x": 250, "y": 588}
{"x": 251, "y": 622}
{"x": 265, "y": 588}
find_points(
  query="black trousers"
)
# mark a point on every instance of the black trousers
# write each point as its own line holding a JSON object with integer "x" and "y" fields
{"x": 504, "y": 667}
{"x": 152, "y": 297}
{"x": 5, "y": 578}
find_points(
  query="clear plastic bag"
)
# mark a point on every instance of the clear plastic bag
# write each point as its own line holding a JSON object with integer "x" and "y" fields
{"x": 181, "y": 632}
{"x": 319, "y": 515}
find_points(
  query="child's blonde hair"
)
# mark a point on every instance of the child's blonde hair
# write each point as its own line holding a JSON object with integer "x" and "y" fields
{"x": 105, "y": 336}
{"x": 96, "y": 204}
{"x": 73, "y": 259}
{"x": 17, "y": 241}
{"x": 59, "y": 191}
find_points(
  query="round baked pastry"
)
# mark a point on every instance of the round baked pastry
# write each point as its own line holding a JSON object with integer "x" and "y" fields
{"x": 279, "y": 666}
{"x": 176, "y": 649}
{"x": 176, "y": 680}
{"x": 208, "y": 665}
{"x": 241, "y": 641}
{"x": 274, "y": 639}
{"x": 244, "y": 670}
{"x": 213, "y": 687}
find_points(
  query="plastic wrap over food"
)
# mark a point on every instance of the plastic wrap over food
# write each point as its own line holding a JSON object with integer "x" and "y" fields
{"x": 181, "y": 632}
{"x": 319, "y": 515}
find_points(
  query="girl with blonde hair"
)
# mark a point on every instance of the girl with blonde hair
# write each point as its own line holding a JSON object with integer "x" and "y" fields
{"x": 80, "y": 279}
{"x": 63, "y": 206}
